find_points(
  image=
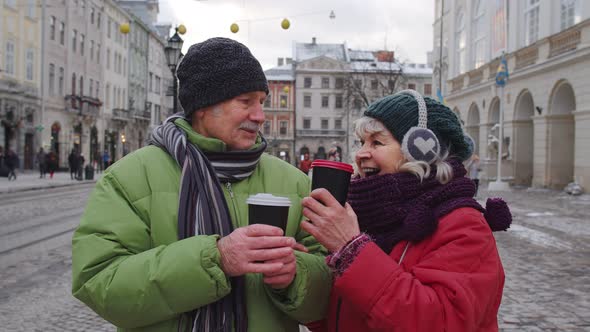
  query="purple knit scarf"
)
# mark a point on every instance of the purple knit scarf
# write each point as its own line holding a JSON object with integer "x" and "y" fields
{"x": 396, "y": 207}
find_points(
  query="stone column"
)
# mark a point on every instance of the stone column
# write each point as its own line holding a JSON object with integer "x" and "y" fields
{"x": 581, "y": 147}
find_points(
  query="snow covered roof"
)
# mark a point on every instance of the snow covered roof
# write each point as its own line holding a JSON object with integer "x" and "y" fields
{"x": 305, "y": 51}
{"x": 280, "y": 73}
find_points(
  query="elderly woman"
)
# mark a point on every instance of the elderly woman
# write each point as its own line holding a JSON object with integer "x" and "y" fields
{"x": 411, "y": 250}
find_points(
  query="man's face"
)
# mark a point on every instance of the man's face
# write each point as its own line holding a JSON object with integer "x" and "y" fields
{"x": 235, "y": 122}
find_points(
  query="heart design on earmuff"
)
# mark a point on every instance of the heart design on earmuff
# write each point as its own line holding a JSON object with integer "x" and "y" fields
{"x": 424, "y": 146}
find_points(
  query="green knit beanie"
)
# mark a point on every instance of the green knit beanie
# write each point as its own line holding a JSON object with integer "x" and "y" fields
{"x": 399, "y": 113}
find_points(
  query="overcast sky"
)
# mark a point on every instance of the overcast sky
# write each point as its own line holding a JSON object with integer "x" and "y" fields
{"x": 404, "y": 26}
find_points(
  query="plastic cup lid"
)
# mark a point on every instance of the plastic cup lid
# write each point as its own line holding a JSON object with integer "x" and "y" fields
{"x": 268, "y": 199}
{"x": 332, "y": 164}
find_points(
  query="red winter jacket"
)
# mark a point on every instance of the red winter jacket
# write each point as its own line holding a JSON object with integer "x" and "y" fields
{"x": 451, "y": 281}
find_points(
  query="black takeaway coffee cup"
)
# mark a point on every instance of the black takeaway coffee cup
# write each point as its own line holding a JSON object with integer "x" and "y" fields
{"x": 332, "y": 175}
{"x": 268, "y": 209}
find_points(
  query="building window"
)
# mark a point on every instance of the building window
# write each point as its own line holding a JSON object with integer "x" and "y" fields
{"x": 73, "y": 84}
{"x": 9, "y": 67}
{"x": 283, "y": 127}
{"x": 460, "y": 43}
{"x": 157, "y": 115}
{"x": 267, "y": 101}
{"x": 374, "y": 84}
{"x": 107, "y": 94}
{"x": 283, "y": 101}
{"x": 109, "y": 28}
{"x": 412, "y": 86}
{"x": 90, "y": 87}
{"x": 479, "y": 36}
{"x": 324, "y": 123}
{"x": 29, "y": 65}
{"x": 108, "y": 58}
{"x": 74, "y": 40}
{"x": 31, "y": 8}
{"x": 98, "y": 20}
{"x": 157, "y": 87}
{"x": 338, "y": 124}
{"x": 307, "y": 101}
{"x": 98, "y": 53}
{"x": 338, "y": 103}
{"x": 358, "y": 104}
{"x": 391, "y": 85}
{"x": 52, "y": 27}
{"x": 266, "y": 128}
{"x": 10, "y": 3}
{"x": 339, "y": 83}
{"x": 97, "y": 94}
{"x": 60, "y": 82}
{"x": 62, "y": 33}
{"x": 81, "y": 85}
{"x": 325, "y": 101}
{"x": 306, "y": 123}
{"x": 307, "y": 82}
{"x": 92, "y": 15}
{"x": 82, "y": 39}
{"x": 531, "y": 22}
{"x": 51, "y": 79}
{"x": 151, "y": 82}
{"x": 91, "y": 50}
{"x": 358, "y": 84}
{"x": 325, "y": 82}
{"x": 428, "y": 89}
{"x": 570, "y": 13}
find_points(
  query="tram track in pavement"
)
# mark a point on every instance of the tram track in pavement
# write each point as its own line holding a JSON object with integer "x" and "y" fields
{"x": 34, "y": 220}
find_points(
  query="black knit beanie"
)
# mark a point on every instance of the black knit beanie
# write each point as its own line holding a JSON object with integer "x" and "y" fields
{"x": 216, "y": 70}
{"x": 399, "y": 113}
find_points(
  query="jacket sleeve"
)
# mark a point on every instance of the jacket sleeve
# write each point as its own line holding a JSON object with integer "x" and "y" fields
{"x": 307, "y": 298}
{"x": 455, "y": 285}
{"x": 118, "y": 273}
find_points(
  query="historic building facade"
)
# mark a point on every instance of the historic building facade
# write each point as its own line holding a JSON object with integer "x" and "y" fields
{"x": 20, "y": 95}
{"x": 546, "y": 102}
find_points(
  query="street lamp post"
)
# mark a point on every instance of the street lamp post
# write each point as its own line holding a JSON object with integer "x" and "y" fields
{"x": 173, "y": 53}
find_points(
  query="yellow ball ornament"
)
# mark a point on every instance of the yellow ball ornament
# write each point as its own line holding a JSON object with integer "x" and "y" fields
{"x": 124, "y": 28}
{"x": 234, "y": 28}
{"x": 181, "y": 29}
{"x": 286, "y": 89}
{"x": 285, "y": 24}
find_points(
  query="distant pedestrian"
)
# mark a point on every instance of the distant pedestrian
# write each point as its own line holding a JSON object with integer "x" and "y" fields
{"x": 51, "y": 163}
{"x": 3, "y": 168}
{"x": 41, "y": 156}
{"x": 12, "y": 163}
{"x": 473, "y": 170}
{"x": 73, "y": 163}
{"x": 106, "y": 159}
{"x": 305, "y": 164}
{"x": 80, "y": 162}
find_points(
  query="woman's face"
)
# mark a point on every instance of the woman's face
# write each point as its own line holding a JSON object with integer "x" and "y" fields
{"x": 380, "y": 153}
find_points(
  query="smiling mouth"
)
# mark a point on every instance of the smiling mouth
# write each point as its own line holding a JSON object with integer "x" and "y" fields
{"x": 369, "y": 171}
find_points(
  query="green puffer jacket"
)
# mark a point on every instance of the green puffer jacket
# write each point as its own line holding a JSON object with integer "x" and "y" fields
{"x": 129, "y": 266}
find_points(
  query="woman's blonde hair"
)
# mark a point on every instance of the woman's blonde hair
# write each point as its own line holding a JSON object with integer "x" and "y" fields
{"x": 444, "y": 172}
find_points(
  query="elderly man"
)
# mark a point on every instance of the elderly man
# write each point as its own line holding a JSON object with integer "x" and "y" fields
{"x": 164, "y": 243}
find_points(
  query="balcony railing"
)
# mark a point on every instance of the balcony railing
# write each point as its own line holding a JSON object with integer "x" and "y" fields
{"x": 121, "y": 114}
{"x": 142, "y": 115}
{"x": 82, "y": 105}
{"x": 457, "y": 83}
{"x": 475, "y": 76}
{"x": 526, "y": 56}
{"x": 321, "y": 132}
{"x": 564, "y": 42}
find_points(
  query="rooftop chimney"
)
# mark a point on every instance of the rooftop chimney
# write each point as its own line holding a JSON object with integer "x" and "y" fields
{"x": 288, "y": 61}
{"x": 313, "y": 40}
{"x": 280, "y": 62}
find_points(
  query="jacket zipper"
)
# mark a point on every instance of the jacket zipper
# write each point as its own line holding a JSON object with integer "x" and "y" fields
{"x": 233, "y": 203}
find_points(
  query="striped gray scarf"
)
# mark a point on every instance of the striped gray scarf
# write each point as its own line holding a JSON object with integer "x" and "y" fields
{"x": 202, "y": 209}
